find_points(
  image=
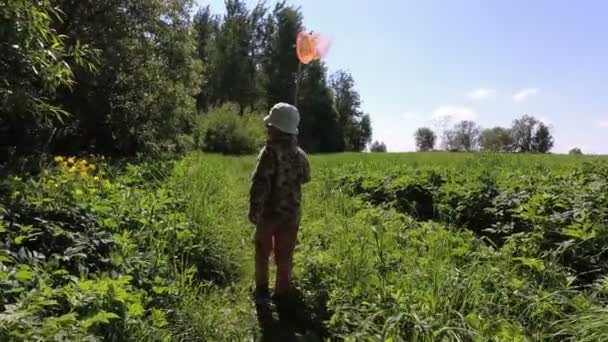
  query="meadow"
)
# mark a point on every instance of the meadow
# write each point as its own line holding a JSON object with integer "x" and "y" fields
{"x": 393, "y": 247}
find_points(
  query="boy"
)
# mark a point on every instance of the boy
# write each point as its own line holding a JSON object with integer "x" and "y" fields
{"x": 275, "y": 201}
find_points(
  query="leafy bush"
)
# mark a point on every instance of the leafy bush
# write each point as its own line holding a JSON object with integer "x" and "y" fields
{"x": 224, "y": 130}
{"x": 90, "y": 251}
{"x": 377, "y": 146}
{"x": 567, "y": 207}
{"x": 374, "y": 271}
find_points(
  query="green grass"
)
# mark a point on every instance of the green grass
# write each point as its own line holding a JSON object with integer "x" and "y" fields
{"x": 370, "y": 265}
{"x": 377, "y": 273}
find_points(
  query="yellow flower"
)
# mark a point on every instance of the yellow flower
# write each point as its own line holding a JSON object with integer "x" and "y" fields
{"x": 92, "y": 167}
{"x": 83, "y": 162}
{"x": 96, "y": 178}
{"x": 83, "y": 173}
{"x": 72, "y": 169}
{"x": 71, "y": 160}
{"x": 59, "y": 159}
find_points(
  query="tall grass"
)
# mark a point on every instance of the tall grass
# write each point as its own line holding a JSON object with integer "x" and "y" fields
{"x": 373, "y": 273}
{"x": 164, "y": 251}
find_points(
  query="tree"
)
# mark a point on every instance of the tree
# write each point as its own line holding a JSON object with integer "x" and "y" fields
{"x": 523, "y": 133}
{"x": 319, "y": 126}
{"x": 465, "y": 136}
{"x": 377, "y": 146}
{"x": 542, "y": 141}
{"x": 425, "y": 139}
{"x": 206, "y": 26}
{"x": 531, "y": 135}
{"x": 354, "y": 128}
{"x": 36, "y": 61}
{"x": 135, "y": 74}
{"x": 448, "y": 140}
{"x": 281, "y": 62}
{"x": 575, "y": 151}
{"x": 234, "y": 72}
{"x": 363, "y": 135}
{"x": 142, "y": 99}
{"x": 497, "y": 139}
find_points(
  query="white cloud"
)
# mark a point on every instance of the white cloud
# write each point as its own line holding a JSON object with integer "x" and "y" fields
{"x": 525, "y": 93}
{"x": 454, "y": 112}
{"x": 481, "y": 94}
{"x": 603, "y": 123}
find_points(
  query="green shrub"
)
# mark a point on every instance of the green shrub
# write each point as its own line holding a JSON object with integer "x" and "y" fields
{"x": 224, "y": 130}
{"x": 93, "y": 252}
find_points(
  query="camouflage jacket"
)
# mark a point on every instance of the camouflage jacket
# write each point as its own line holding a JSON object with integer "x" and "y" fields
{"x": 276, "y": 187}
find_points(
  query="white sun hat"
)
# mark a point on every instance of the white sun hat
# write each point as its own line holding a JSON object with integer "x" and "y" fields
{"x": 283, "y": 117}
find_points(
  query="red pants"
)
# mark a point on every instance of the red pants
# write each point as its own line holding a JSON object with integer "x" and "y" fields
{"x": 282, "y": 239}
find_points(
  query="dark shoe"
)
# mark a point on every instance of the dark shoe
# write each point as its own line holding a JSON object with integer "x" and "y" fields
{"x": 261, "y": 298}
{"x": 292, "y": 310}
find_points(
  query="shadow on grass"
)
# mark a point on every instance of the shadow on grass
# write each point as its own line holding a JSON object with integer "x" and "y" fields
{"x": 292, "y": 322}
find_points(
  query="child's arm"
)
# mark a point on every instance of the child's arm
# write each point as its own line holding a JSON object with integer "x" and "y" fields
{"x": 260, "y": 184}
{"x": 305, "y": 169}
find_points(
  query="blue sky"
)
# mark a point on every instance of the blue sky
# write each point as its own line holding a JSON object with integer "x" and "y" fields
{"x": 491, "y": 61}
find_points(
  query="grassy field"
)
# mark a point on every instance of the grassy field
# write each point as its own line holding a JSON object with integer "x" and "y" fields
{"x": 425, "y": 247}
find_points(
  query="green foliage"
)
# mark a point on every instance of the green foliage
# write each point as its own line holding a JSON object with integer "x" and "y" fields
{"x": 36, "y": 62}
{"x": 377, "y": 146}
{"x": 542, "y": 141}
{"x": 425, "y": 139}
{"x": 206, "y": 26}
{"x": 496, "y": 139}
{"x": 319, "y": 125}
{"x": 495, "y": 202}
{"x": 523, "y": 133}
{"x": 464, "y": 136}
{"x": 353, "y": 126}
{"x": 526, "y": 135}
{"x": 134, "y": 78}
{"x": 531, "y": 135}
{"x": 143, "y": 96}
{"x": 420, "y": 246}
{"x": 281, "y": 62}
{"x": 378, "y": 271}
{"x": 97, "y": 252}
{"x": 224, "y": 130}
{"x": 232, "y": 68}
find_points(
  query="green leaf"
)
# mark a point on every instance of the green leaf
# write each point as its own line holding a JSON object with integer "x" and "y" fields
{"x": 20, "y": 239}
{"x": 536, "y": 264}
{"x": 581, "y": 231}
{"x": 102, "y": 317}
{"x": 160, "y": 289}
{"x": 473, "y": 320}
{"x": 5, "y": 259}
{"x": 159, "y": 319}
{"x": 517, "y": 283}
{"x": 24, "y": 274}
{"x": 136, "y": 309}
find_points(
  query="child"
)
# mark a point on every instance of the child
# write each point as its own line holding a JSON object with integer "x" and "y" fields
{"x": 275, "y": 201}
